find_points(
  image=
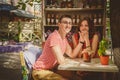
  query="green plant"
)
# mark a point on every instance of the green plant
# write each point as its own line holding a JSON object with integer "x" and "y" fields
{"x": 23, "y": 3}
{"x": 103, "y": 45}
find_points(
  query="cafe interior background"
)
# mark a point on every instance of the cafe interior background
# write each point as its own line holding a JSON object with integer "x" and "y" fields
{"x": 25, "y": 23}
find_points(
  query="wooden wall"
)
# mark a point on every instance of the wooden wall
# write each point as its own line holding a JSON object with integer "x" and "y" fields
{"x": 115, "y": 31}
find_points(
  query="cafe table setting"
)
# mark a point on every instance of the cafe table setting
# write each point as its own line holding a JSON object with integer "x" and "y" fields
{"x": 94, "y": 65}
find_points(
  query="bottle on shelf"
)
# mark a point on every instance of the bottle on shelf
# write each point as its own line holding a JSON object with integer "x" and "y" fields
{"x": 85, "y": 4}
{"x": 63, "y": 4}
{"x": 95, "y": 19}
{"x": 90, "y": 3}
{"x": 78, "y": 19}
{"x": 48, "y": 19}
{"x": 51, "y": 3}
{"x": 93, "y": 3}
{"x": 69, "y": 4}
{"x": 56, "y": 4}
{"x": 99, "y": 18}
{"x": 52, "y": 18}
{"x": 74, "y": 19}
{"x": 99, "y": 4}
{"x": 80, "y": 4}
{"x": 56, "y": 18}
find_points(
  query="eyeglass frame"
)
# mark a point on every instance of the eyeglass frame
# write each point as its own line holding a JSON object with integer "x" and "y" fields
{"x": 65, "y": 22}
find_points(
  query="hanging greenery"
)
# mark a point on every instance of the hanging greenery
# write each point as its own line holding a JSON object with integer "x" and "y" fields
{"x": 22, "y": 3}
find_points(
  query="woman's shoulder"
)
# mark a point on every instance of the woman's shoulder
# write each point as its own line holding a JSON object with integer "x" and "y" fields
{"x": 96, "y": 36}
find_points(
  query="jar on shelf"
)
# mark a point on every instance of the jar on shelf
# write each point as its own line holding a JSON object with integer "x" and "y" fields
{"x": 69, "y": 4}
{"x": 99, "y": 4}
{"x": 79, "y": 4}
{"x": 85, "y": 4}
{"x": 93, "y": 3}
{"x": 63, "y": 4}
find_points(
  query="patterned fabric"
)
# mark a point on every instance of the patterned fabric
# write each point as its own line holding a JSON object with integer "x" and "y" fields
{"x": 45, "y": 75}
{"x": 76, "y": 36}
{"x": 47, "y": 60}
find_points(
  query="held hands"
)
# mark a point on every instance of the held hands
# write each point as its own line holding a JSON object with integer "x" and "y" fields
{"x": 90, "y": 53}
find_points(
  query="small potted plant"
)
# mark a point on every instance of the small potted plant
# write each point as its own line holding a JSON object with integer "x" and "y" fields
{"x": 104, "y": 58}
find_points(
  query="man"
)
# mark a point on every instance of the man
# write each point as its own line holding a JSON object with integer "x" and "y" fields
{"x": 53, "y": 52}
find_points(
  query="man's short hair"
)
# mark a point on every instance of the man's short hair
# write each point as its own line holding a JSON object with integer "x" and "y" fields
{"x": 64, "y": 16}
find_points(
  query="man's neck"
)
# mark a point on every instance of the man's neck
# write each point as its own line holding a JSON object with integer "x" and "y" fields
{"x": 62, "y": 34}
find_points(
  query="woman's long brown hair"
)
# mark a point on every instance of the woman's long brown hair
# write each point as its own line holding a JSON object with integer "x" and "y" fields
{"x": 91, "y": 26}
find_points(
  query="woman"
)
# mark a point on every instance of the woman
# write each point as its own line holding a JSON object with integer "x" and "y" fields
{"x": 87, "y": 36}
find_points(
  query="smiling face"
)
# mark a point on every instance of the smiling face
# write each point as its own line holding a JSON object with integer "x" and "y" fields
{"x": 65, "y": 25}
{"x": 87, "y": 25}
{"x": 84, "y": 26}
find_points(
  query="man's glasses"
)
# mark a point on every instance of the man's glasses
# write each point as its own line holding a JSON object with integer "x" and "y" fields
{"x": 65, "y": 22}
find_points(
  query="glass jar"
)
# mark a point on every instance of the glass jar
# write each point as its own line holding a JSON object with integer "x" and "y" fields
{"x": 86, "y": 57}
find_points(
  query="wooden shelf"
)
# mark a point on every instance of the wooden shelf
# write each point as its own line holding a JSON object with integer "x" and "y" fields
{"x": 95, "y": 11}
{"x": 73, "y": 25}
{"x": 73, "y": 9}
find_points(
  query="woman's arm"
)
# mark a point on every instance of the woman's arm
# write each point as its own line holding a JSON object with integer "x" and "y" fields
{"x": 77, "y": 47}
{"x": 94, "y": 45}
{"x": 74, "y": 53}
{"x": 91, "y": 49}
{"x": 74, "y": 41}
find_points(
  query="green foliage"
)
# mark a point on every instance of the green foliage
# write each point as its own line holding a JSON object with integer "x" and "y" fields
{"x": 22, "y": 4}
{"x": 102, "y": 47}
{"x": 24, "y": 73}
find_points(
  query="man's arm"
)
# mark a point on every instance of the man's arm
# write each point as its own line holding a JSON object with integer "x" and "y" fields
{"x": 58, "y": 53}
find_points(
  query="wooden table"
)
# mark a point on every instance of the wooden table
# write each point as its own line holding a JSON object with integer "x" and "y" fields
{"x": 95, "y": 66}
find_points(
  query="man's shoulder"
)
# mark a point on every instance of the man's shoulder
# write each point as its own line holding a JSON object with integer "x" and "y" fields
{"x": 54, "y": 33}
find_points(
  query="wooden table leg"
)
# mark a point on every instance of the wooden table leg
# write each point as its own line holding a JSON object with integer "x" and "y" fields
{"x": 104, "y": 76}
{"x": 114, "y": 76}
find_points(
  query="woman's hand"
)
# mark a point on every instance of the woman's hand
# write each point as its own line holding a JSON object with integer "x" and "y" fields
{"x": 86, "y": 35}
{"x": 81, "y": 39}
{"x": 81, "y": 53}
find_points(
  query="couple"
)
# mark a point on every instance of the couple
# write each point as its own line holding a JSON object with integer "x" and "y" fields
{"x": 56, "y": 45}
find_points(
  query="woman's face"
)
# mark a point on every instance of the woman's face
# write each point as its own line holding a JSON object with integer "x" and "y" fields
{"x": 84, "y": 26}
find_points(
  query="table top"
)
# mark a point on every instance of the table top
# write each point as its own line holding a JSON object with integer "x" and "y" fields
{"x": 95, "y": 65}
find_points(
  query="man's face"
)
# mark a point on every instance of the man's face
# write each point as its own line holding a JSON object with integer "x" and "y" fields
{"x": 65, "y": 25}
